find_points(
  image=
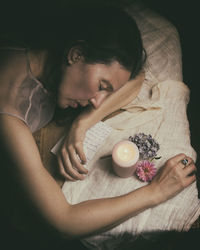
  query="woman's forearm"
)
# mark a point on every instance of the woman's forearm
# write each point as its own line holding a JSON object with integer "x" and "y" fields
{"x": 46, "y": 197}
{"x": 114, "y": 102}
{"x": 95, "y": 216}
{"x": 88, "y": 217}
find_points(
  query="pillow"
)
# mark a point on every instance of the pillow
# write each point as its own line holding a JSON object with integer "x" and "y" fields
{"x": 161, "y": 42}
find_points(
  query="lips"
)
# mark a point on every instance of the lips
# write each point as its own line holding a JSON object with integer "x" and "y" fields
{"x": 73, "y": 105}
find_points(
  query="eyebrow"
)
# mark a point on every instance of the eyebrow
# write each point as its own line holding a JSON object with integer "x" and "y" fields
{"x": 110, "y": 87}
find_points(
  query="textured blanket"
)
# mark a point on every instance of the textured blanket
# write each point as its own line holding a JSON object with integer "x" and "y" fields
{"x": 159, "y": 110}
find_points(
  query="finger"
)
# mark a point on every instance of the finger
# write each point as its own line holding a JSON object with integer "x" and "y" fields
{"x": 80, "y": 152}
{"x": 68, "y": 167}
{"x": 185, "y": 162}
{"x": 190, "y": 169}
{"x": 74, "y": 157}
{"x": 177, "y": 158}
{"x": 62, "y": 170}
{"x": 76, "y": 163}
{"x": 189, "y": 180}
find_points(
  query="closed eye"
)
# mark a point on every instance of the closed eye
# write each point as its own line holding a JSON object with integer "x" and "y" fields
{"x": 101, "y": 87}
{"x": 104, "y": 86}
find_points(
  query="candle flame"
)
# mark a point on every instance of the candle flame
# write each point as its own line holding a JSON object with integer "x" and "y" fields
{"x": 125, "y": 153}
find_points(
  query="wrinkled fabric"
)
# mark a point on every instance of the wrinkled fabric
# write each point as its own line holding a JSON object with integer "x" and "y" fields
{"x": 161, "y": 42}
{"x": 159, "y": 110}
{"x": 21, "y": 94}
{"x": 170, "y": 128}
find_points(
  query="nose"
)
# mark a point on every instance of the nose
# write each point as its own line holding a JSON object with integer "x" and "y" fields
{"x": 98, "y": 99}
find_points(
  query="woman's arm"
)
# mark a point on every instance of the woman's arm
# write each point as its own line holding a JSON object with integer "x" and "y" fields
{"x": 86, "y": 217}
{"x": 67, "y": 157}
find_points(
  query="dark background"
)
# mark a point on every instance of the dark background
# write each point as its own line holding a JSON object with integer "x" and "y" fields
{"x": 185, "y": 16}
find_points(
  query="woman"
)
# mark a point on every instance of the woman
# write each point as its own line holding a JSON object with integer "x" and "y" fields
{"x": 97, "y": 65}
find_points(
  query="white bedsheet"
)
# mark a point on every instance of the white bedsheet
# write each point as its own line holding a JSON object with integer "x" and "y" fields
{"x": 159, "y": 110}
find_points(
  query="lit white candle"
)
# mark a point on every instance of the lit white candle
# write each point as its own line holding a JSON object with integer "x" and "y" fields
{"x": 125, "y": 154}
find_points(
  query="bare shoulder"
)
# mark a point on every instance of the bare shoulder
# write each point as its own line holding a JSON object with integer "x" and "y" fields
{"x": 10, "y": 122}
{"x": 22, "y": 161}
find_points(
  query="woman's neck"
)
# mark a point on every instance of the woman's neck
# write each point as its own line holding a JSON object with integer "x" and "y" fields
{"x": 46, "y": 67}
{"x": 37, "y": 59}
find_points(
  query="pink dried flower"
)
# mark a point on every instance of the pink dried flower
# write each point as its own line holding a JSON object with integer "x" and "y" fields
{"x": 145, "y": 170}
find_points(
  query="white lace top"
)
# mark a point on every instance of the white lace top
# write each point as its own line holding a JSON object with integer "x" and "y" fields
{"x": 21, "y": 94}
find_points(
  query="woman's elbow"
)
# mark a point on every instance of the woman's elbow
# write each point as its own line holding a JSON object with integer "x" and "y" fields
{"x": 67, "y": 226}
{"x": 67, "y": 233}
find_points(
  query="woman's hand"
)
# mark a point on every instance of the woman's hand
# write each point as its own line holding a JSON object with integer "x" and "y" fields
{"x": 71, "y": 157}
{"x": 70, "y": 166}
{"x": 173, "y": 178}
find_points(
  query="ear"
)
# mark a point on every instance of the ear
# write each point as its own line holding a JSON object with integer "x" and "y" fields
{"x": 74, "y": 55}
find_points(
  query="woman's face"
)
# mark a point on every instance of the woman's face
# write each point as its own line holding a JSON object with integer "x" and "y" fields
{"x": 89, "y": 83}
